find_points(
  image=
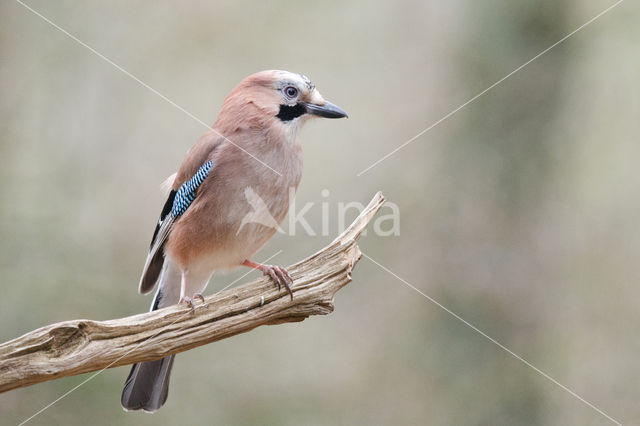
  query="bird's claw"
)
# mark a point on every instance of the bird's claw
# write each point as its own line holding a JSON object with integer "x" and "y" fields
{"x": 280, "y": 276}
{"x": 190, "y": 301}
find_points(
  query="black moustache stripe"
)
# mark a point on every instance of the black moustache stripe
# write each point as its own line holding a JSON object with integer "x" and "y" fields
{"x": 288, "y": 113}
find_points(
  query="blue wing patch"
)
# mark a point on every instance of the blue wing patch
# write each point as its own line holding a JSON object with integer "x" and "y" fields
{"x": 187, "y": 192}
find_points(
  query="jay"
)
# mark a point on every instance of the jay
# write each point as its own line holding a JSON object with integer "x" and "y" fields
{"x": 202, "y": 228}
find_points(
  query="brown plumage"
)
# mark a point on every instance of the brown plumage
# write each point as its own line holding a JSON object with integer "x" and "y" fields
{"x": 255, "y": 152}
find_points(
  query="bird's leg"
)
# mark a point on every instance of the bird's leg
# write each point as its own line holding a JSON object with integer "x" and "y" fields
{"x": 277, "y": 273}
{"x": 183, "y": 288}
{"x": 198, "y": 296}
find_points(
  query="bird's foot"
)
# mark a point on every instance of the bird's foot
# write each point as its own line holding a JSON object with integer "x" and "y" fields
{"x": 191, "y": 300}
{"x": 280, "y": 276}
{"x": 277, "y": 273}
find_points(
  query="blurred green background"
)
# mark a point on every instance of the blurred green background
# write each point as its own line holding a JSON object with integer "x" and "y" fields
{"x": 520, "y": 212}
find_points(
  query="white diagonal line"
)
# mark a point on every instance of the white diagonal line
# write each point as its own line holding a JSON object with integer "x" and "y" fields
{"x": 142, "y": 83}
{"x": 132, "y": 349}
{"x": 500, "y": 345}
{"x": 490, "y": 87}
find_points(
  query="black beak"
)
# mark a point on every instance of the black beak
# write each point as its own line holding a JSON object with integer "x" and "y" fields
{"x": 328, "y": 110}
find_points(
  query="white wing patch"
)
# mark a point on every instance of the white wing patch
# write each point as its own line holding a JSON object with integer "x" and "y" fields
{"x": 167, "y": 184}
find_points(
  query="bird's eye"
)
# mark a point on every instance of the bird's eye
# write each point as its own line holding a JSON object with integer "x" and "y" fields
{"x": 290, "y": 91}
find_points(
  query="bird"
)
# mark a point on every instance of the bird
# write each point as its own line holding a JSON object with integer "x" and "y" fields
{"x": 252, "y": 152}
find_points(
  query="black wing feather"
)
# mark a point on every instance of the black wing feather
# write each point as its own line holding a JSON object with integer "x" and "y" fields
{"x": 155, "y": 266}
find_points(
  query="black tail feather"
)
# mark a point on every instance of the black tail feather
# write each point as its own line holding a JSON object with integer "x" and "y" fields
{"x": 147, "y": 385}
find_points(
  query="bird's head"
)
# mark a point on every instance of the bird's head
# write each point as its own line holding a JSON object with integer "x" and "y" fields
{"x": 277, "y": 98}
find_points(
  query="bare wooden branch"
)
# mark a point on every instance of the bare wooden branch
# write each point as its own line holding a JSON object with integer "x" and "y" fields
{"x": 80, "y": 346}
